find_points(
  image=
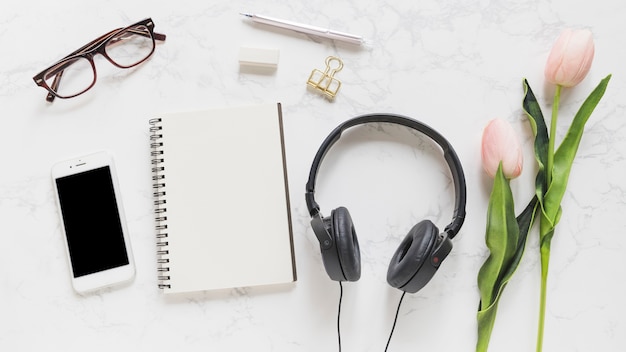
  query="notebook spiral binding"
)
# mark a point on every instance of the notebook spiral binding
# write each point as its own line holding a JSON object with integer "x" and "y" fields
{"x": 160, "y": 210}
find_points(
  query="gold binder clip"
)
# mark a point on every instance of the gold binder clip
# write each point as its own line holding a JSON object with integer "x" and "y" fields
{"x": 325, "y": 81}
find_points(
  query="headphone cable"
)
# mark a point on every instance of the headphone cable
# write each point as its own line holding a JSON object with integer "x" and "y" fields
{"x": 393, "y": 327}
{"x": 395, "y": 320}
{"x": 338, "y": 315}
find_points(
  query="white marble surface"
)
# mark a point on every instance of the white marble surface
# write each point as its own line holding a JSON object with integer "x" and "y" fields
{"x": 450, "y": 64}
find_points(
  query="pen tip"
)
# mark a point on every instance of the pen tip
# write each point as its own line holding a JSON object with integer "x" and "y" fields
{"x": 245, "y": 14}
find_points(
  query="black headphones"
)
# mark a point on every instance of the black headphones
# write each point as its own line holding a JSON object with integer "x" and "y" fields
{"x": 423, "y": 249}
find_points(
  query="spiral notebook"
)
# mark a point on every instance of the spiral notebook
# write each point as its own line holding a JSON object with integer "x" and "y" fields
{"x": 221, "y": 199}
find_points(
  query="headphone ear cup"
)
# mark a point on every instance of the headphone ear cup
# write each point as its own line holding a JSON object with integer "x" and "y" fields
{"x": 346, "y": 243}
{"x": 409, "y": 269}
{"x": 322, "y": 227}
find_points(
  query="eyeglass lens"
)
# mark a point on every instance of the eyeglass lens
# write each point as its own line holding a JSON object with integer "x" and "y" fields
{"x": 130, "y": 47}
{"x": 77, "y": 73}
{"x": 126, "y": 49}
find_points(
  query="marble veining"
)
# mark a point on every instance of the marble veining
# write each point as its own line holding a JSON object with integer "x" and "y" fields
{"x": 451, "y": 65}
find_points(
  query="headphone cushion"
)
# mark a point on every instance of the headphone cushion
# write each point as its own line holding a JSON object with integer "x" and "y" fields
{"x": 413, "y": 252}
{"x": 346, "y": 243}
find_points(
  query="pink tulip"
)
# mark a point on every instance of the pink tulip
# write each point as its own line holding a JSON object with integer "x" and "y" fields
{"x": 570, "y": 58}
{"x": 500, "y": 144}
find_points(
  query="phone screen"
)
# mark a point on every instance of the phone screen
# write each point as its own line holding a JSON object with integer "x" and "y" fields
{"x": 92, "y": 223}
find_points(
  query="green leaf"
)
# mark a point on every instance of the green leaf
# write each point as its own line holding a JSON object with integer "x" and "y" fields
{"x": 502, "y": 236}
{"x": 486, "y": 320}
{"x": 564, "y": 155}
{"x": 506, "y": 239}
{"x": 537, "y": 123}
{"x": 535, "y": 118}
{"x": 524, "y": 222}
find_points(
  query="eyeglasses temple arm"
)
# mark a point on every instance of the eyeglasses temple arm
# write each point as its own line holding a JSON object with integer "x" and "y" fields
{"x": 55, "y": 84}
{"x": 91, "y": 44}
{"x": 156, "y": 36}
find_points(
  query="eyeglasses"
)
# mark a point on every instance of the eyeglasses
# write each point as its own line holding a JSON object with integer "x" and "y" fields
{"x": 123, "y": 47}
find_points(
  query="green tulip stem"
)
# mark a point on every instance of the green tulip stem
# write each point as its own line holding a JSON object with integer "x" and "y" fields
{"x": 545, "y": 261}
{"x": 545, "y": 246}
{"x": 551, "y": 141}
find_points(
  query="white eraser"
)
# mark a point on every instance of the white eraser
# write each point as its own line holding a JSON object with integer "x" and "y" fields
{"x": 258, "y": 57}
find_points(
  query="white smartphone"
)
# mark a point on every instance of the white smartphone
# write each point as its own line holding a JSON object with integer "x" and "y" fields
{"x": 94, "y": 227}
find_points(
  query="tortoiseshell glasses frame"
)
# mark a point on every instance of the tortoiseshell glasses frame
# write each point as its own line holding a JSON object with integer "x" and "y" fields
{"x": 123, "y": 47}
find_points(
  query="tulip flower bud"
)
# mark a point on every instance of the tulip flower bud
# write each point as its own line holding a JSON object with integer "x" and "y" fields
{"x": 501, "y": 145}
{"x": 570, "y": 58}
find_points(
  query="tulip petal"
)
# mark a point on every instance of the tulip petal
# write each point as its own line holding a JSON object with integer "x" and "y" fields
{"x": 501, "y": 145}
{"x": 570, "y": 59}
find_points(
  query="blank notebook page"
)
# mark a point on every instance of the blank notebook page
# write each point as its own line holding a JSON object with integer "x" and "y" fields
{"x": 226, "y": 194}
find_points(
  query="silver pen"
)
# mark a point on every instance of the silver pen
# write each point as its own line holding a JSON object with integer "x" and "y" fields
{"x": 308, "y": 29}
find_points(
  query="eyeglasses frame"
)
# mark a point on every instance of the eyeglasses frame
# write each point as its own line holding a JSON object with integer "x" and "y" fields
{"x": 88, "y": 52}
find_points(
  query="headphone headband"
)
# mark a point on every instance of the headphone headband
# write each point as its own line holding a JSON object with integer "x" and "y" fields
{"x": 449, "y": 154}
